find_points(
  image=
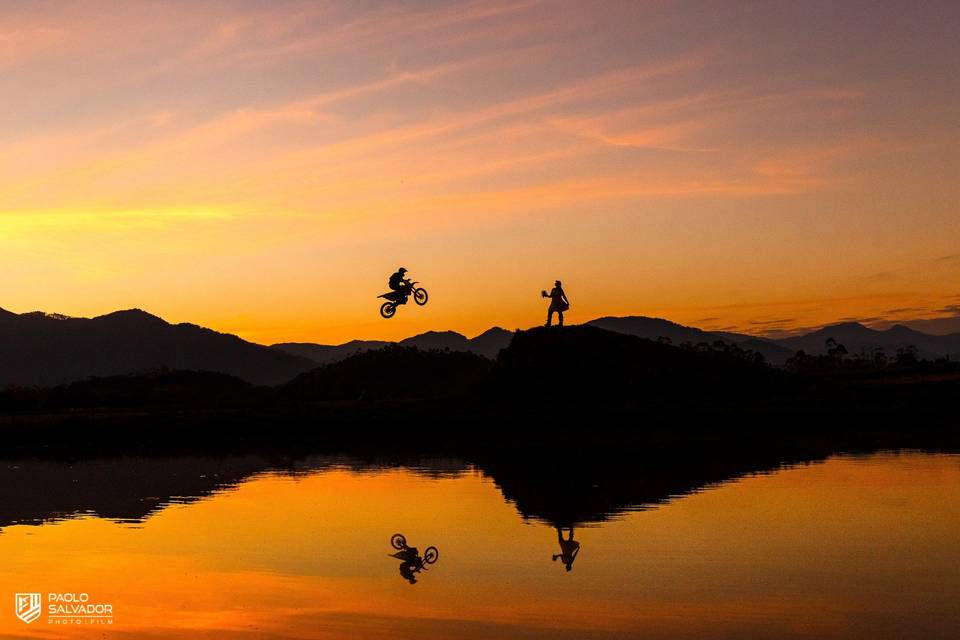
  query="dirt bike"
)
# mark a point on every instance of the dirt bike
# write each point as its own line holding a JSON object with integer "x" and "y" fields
{"x": 396, "y": 298}
{"x": 399, "y": 542}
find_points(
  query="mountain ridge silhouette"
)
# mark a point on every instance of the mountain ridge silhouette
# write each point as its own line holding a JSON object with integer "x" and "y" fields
{"x": 486, "y": 344}
{"x": 858, "y": 338}
{"x": 777, "y": 351}
{"x": 41, "y": 349}
{"x": 47, "y": 349}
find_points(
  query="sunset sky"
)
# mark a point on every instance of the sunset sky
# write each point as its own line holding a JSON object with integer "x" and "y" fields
{"x": 262, "y": 167}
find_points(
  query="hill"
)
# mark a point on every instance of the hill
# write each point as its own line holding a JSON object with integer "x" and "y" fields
{"x": 578, "y": 383}
{"x": 855, "y": 337}
{"x": 325, "y": 354}
{"x": 657, "y": 328}
{"x": 438, "y": 340}
{"x": 653, "y": 329}
{"x": 860, "y": 339}
{"x": 392, "y": 373}
{"x": 603, "y": 370}
{"x": 38, "y": 349}
{"x": 487, "y": 344}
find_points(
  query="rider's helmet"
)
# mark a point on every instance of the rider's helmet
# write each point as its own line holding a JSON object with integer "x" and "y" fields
{"x": 402, "y": 270}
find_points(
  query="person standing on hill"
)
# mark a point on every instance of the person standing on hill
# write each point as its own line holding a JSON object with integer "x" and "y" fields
{"x": 558, "y": 303}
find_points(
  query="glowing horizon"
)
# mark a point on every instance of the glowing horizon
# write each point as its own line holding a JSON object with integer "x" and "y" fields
{"x": 261, "y": 168}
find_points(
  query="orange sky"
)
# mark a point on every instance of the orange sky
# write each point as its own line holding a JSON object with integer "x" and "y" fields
{"x": 262, "y": 167}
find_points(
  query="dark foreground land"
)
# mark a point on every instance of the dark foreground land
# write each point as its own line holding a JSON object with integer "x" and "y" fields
{"x": 577, "y": 389}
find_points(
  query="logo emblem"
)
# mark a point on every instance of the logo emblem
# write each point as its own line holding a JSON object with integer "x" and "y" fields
{"x": 28, "y": 606}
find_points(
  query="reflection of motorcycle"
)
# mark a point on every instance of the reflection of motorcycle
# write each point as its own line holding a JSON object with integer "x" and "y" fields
{"x": 412, "y": 562}
{"x": 396, "y": 298}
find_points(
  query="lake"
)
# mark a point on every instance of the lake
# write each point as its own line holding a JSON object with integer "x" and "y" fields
{"x": 848, "y": 546}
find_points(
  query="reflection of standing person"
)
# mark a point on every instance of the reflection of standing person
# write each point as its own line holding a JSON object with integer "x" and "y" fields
{"x": 569, "y": 549}
{"x": 558, "y": 303}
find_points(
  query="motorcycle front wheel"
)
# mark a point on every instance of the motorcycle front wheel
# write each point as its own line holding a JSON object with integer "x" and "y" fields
{"x": 430, "y": 555}
{"x": 387, "y": 309}
{"x": 420, "y": 296}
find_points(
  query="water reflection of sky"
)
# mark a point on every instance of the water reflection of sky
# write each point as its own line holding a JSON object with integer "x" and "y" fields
{"x": 852, "y": 547}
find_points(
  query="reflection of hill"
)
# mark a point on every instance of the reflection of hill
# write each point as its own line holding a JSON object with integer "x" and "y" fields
{"x": 127, "y": 489}
{"x": 568, "y": 487}
{"x": 561, "y": 486}
{"x": 130, "y": 489}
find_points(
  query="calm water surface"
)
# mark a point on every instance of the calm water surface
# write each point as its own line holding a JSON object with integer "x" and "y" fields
{"x": 849, "y": 547}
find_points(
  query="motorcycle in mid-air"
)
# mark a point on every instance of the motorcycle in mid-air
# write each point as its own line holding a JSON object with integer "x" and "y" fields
{"x": 411, "y": 562}
{"x": 396, "y": 298}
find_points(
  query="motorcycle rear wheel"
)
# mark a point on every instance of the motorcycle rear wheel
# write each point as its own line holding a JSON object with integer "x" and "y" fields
{"x": 420, "y": 296}
{"x": 398, "y": 541}
{"x": 387, "y": 309}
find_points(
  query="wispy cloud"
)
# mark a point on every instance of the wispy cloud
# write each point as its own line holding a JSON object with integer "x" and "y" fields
{"x": 902, "y": 310}
{"x": 779, "y": 322}
{"x": 372, "y": 27}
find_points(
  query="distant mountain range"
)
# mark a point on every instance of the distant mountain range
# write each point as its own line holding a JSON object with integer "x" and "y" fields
{"x": 855, "y": 337}
{"x": 858, "y": 339}
{"x": 657, "y": 328}
{"x": 38, "y": 349}
{"x": 487, "y": 344}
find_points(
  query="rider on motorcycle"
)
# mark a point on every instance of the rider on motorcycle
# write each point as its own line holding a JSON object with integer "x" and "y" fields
{"x": 411, "y": 564}
{"x": 400, "y": 286}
